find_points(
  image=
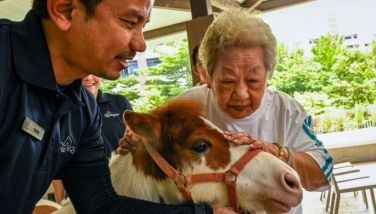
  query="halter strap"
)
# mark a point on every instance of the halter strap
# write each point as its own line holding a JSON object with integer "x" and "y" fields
{"x": 229, "y": 177}
{"x": 170, "y": 171}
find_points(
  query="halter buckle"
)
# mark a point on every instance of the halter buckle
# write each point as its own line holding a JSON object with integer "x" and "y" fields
{"x": 230, "y": 177}
{"x": 180, "y": 180}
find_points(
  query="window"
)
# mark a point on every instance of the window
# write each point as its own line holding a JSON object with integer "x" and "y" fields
{"x": 132, "y": 69}
{"x": 153, "y": 62}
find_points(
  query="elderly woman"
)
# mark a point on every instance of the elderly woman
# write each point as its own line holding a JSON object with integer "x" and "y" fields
{"x": 239, "y": 53}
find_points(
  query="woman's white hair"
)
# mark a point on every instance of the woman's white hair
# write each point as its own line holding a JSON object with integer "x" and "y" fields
{"x": 237, "y": 28}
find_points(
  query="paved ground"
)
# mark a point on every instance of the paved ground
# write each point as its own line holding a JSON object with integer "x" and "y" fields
{"x": 349, "y": 204}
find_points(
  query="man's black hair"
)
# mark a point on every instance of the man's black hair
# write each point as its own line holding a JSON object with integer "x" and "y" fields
{"x": 194, "y": 54}
{"x": 40, "y": 7}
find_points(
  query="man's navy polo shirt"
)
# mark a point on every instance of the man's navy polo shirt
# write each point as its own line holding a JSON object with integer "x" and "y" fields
{"x": 112, "y": 107}
{"x": 71, "y": 145}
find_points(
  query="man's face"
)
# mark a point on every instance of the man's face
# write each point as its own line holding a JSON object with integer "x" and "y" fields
{"x": 102, "y": 43}
{"x": 239, "y": 80}
{"x": 199, "y": 70}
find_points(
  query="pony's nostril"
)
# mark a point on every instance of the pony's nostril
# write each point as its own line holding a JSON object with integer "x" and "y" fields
{"x": 291, "y": 181}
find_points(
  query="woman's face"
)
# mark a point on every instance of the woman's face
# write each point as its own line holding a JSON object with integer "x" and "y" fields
{"x": 92, "y": 83}
{"x": 239, "y": 80}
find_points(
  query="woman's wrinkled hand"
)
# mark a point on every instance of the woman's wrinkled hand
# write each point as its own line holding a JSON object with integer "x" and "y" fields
{"x": 128, "y": 142}
{"x": 241, "y": 138}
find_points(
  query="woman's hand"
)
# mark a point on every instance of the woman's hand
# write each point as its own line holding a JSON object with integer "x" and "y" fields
{"x": 128, "y": 143}
{"x": 241, "y": 138}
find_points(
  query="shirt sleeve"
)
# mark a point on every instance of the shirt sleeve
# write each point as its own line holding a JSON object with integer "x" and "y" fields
{"x": 302, "y": 138}
{"x": 96, "y": 195}
{"x": 127, "y": 104}
{"x": 91, "y": 154}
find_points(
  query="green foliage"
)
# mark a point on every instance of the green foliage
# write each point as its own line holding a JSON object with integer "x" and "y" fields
{"x": 359, "y": 114}
{"x": 149, "y": 100}
{"x": 295, "y": 74}
{"x": 332, "y": 120}
{"x": 334, "y": 79}
{"x": 153, "y": 86}
{"x": 124, "y": 86}
{"x": 346, "y": 76}
{"x": 327, "y": 51}
{"x": 371, "y": 111}
{"x": 313, "y": 102}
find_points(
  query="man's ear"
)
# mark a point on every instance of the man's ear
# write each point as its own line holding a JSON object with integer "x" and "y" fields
{"x": 60, "y": 11}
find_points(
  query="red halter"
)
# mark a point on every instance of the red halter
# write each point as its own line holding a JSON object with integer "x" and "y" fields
{"x": 182, "y": 181}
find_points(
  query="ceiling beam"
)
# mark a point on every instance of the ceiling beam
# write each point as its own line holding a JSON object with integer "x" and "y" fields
{"x": 225, "y": 4}
{"x": 173, "y": 4}
{"x": 272, "y": 4}
{"x": 164, "y": 31}
{"x": 185, "y": 4}
{"x": 218, "y": 5}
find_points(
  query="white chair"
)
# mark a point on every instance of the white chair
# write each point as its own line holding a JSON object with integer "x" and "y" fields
{"x": 360, "y": 184}
{"x": 341, "y": 169}
{"x": 338, "y": 169}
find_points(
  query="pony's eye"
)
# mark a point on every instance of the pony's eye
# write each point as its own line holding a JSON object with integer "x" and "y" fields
{"x": 201, "y": 146}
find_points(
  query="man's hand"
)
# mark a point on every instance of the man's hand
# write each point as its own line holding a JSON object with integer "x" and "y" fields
{"x": 241, "y": 138}
{"x": 128, "y": 143}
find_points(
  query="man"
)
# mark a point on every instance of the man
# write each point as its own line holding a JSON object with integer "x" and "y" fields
{"x": 50, "y": 125}
{"x": 111, "y": 107}
{"x": 197, "y": 67}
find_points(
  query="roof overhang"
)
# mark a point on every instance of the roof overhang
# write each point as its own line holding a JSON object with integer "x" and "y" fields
{"x": 216, "y": 6}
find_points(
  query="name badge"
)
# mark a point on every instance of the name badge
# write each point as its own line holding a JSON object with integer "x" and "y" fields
{"x": 32, "y": 129}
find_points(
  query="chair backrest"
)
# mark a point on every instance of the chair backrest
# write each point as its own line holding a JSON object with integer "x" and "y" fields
{"x": 342, "y": 165}
{"x": 345, "y": 170}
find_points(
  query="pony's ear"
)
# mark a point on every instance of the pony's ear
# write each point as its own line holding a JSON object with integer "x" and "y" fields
{"x": 143, "y": 125}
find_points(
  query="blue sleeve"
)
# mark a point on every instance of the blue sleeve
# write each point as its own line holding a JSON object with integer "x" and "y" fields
{"x": 96, "y": 195}
{"x": 5, "y": 62}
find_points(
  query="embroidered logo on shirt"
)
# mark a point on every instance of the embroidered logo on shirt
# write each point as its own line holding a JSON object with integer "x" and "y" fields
{"x": 67, "y": 146}
{"x": 110, "y": 114}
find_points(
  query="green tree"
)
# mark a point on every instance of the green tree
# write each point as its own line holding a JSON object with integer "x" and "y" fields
{"x": 295, "y": 73}
{"x": 127, "y": 87}
{"x": 173, "y": 75}
{"x": 346, "y": 76}
{"x": 152, "y": 87}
